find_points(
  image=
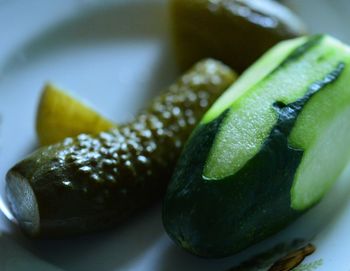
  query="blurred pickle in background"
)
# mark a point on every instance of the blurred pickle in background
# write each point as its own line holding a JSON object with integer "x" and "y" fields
{"x": 236, "y": 32}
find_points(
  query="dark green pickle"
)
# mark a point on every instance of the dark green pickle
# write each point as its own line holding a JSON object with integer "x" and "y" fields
{"x": 90, "y": 183}
{"x": 237, "y": 32}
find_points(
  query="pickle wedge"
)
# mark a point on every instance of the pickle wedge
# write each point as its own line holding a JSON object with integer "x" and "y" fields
{"x": 60, "y": 115}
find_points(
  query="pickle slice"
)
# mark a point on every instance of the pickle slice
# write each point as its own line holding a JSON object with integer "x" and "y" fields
{"x": 90, "y": 183}
{"x": 236, "y": 32}
{"x": 60, "y": 115}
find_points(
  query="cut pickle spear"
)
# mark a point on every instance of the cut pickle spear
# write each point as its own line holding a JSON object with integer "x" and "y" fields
{"x": 60, "y": 115}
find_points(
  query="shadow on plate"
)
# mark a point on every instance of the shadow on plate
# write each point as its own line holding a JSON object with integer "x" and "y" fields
{"x": 107, "y": 251}
{"x": 14, "y": 257}
{"x": 174, "y": 259}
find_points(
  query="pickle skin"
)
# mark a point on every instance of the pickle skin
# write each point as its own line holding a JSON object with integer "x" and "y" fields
{"x": 91, "y": 183}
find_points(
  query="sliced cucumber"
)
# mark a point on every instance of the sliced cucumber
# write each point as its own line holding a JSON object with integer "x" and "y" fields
{"x": 251, "y": 116}
{"x": 263, "y": 156}
{"x": 322, "y": 130}
{"x": 256, "y": 72}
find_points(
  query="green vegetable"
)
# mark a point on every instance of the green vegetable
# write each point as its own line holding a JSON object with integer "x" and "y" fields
{"x": 90, "y": 183}
{"x": 236, "y": 32}
{"x": 267, "y": 150}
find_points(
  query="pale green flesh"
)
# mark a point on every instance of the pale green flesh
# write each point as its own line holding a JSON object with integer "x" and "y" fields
{"x": 252, "y": 76}
{"x": 323, "y": 131}
{"x": 251, "y": 117}
{"x": 322, "y": 163}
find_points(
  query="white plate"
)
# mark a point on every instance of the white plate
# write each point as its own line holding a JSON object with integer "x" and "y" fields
{"x": 116, "y": 54}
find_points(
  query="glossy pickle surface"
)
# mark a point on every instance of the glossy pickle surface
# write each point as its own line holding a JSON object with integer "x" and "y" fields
{"x": 90, "y": 183}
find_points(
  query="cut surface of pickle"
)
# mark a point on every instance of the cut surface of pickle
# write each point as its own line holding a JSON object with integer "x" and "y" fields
{"x": 60, "y": 115}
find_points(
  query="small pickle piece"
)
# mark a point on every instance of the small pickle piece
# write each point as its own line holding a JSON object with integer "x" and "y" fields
{"x": 61, "y": 115}
{"x": 237, "y": 32}
{"x": 90, "y": 183}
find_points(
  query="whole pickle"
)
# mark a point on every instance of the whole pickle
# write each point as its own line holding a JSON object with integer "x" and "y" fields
{"x": 236, "y": 32}
{"x": 90, "y": 183}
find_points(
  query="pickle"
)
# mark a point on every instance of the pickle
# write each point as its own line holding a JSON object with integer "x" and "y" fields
{"x": 236, "y": 32}
{"x": 89, "y": 183}
{"x": 60, "y": 115}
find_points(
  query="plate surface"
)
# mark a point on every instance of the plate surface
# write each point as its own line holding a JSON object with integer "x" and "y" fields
{"x": 117, "y": 54}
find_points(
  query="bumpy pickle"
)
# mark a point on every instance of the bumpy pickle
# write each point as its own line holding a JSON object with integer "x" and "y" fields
{"x": 90, "y": 183}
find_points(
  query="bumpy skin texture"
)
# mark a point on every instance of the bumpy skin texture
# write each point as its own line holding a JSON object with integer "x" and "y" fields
{"x": 91, "y": 183}
{"x": 234, "y": 31}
